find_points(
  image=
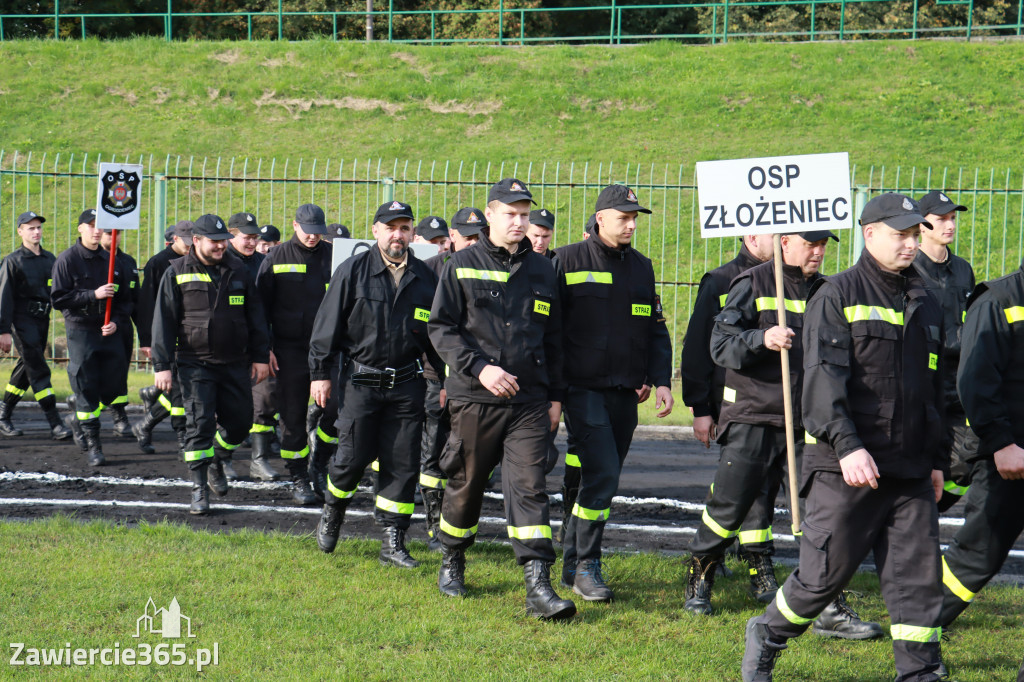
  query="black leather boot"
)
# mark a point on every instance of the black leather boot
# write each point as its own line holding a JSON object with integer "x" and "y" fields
{"x": 393, "y": 551}
{"x": 143, "y": 432}
{"x": 763, "y": 584}
{"x": 122, "y": 427}
{"x": 215, "y": 474}
{"x": 75, "y": 426}
{"x": 760, "y": 652}
{"x": 589, "y": 583}
{"x": 180, "y": 434}
{"x": 93, "y": 447}
{"x": 452, "y": 578}
{"x": 541, "y": 600}
{"x": 839, "y": 620}
{"x": 57, "y": 429}
{"x": 260, "y": 468}
{"x": 200, "y": 498}
{"x": 327, "y": 530}
{"x": 302, "y": 489}
{"x": 699, "y": 582}
{"x": 320, "y": 454}
{"x": 432, "y": 499}
{"x": 6, "y": 427}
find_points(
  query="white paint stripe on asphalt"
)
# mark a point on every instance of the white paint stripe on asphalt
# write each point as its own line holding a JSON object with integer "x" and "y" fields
{"x": 52, "y": 477}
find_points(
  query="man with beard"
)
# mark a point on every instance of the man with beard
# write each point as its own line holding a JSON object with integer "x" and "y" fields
{"x": 292, "y": 282}
{"x": 209, "y": 320}
{"x": 375, "y": 314}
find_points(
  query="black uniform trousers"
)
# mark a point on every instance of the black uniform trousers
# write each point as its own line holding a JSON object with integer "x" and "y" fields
{"x": 751, "y": 470}
{"x": 483, "y": 436}
{"x": 381, "y": 424}
{"x": 264, "y": 406}
{"x": 213, "y": 395}
{"x": 899, "y": 522}
{"x": 171, "y": 404}
{"x": 964, "y": 451}
{"x": 30, "y": 336}
{"x": 437, "y": 426}
{"x": 126, "y": 335}
{"x": 602, "y": 424}
{"x": 993, "y": 520}
{"x": 292, "y": 398}
{"x": 95, "y": 363}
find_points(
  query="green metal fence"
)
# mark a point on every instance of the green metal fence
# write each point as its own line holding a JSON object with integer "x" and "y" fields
{"x": 504, "y": 23}
{"x": 991, "y": 234}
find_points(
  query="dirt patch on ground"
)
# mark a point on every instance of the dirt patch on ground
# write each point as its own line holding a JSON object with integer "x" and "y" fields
{"x": 65, "y": 92}
{"x": 808, "y": 101}
{"x": 455, "y": 107}
{"x": 277, "y": 62}
{"x": 479, "y": 129}
{"x": 160, "y": 95}
{"x": 229, "y": 57}
{"x": 297, "y": 105}
{"x": 127, "y": 95}
{"x": 413, "y": 62}
{"x": 734, "y": 103}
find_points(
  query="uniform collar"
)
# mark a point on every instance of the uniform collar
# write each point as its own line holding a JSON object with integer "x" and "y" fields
{"x": 87, "y": 252}
{"x": 608, "y": 252}
{"x": 501, "y": 252}
{"x": 747, "y": 258}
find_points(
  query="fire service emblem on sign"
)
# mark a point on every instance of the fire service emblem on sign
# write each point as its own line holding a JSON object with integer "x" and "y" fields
{"x": 120, "y": 192}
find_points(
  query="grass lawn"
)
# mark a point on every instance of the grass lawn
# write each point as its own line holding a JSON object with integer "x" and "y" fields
{"x": 277, "y": 608}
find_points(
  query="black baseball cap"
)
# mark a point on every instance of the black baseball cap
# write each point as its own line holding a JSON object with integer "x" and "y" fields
{"x": 338, "y": 231}
{"x": 937, "y": 203}
{"x": 211, "y": 227}
{"x": 432, "y": 227}
{"x": 311, "y": 219}
{"x": 392, "y": 210}
{"x": 898, "y": 211}
{"x": 469, "y": 221}
{"x": 270, "y": 233}
{"x": 817, "y": 235}
{"x": 544, "y": 218}
{"x": 169, "y": 234}
{"x": 29, "y": 216}
{"x": 619, "y": 197}
{"x": 183, "y": 229}
{"x": 245, "y": 223}
{"x": 87, "y": 216}
{"x": 509, "y": 191}
{"x": 591, "y": 223}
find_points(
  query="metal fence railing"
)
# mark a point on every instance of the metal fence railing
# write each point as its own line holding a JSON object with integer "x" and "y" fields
{"x": 991, "y": 234}
{"x": 613, "y": 22}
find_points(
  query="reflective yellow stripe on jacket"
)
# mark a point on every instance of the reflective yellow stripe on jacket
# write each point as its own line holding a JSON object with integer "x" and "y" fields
{"x": 861, "y": 313}
{"x": 588, "y": 276}
{"x": 473, "y": 273}
{"x": 768, "y": 303}
{"x": 280, "y": 268}
{"x": 193, "y": 277}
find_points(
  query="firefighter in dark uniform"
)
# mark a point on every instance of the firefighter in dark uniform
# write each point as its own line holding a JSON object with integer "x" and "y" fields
{"x": 25, "y": 324}
{"x": 615, "y": 342}
{"x": 991, "y": 383}
{"x": 245, "y": 235}
{"x": 951, "y": 280}
{"x": 264, "y": 405}
{"x": 703, "y": 382}
{"x": 209, "y": 322}
{"x": 157, "y": 405}
{"x": 497, "y": 323}
{"x": 465, "y": 229}
{"x": 270, "y": 237}
{"x": 872, "y": 400}
{"x": 375, "y": 314}
{"x": 744, "y": 341}
{"x": 95, "y": 353}
{"x": 433, "y": 230}
{"x": 541, "y": 231}
{"x": 122, "y": 426}
{"x": 293, "y": 280}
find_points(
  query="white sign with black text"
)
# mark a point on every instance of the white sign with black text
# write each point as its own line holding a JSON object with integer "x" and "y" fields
{"x": 118, "y": 201}
{"x": 772, "y": 195}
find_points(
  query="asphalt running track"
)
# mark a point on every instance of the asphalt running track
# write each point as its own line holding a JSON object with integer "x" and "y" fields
{"x": 660, "y": 501}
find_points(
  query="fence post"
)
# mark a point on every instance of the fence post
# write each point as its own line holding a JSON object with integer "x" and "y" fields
{"x": 725, "y": 23}
{"x": 56, "y": 19}
{"x": 280, "y": 22}
{"x": 159, "y": 219}
{"x": 389, "y": 189}
{"x": 167, "y": 22}
{"x": 860, "y": 197}
{"x": 501, "y": 22}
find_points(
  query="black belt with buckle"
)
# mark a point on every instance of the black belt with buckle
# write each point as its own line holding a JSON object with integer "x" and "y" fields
{"x": 371, "y": 377}
{"x": 38, "y": 309}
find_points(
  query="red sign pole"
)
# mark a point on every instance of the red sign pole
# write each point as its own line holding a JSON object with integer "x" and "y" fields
{"x": 110, "y": 274}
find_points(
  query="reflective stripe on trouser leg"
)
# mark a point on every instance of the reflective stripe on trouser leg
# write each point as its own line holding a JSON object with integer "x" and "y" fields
{"x": 337, "y": 493}
{"x": 215, "y": 395}
{"x": 14, "y": 392}
{"x": 221, "y": 443}
{"x": 432, "y": 482}
{"x": 384, "y": 504}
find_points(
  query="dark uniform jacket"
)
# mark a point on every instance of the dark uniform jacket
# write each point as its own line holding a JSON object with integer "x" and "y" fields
{"x": 77, "y": 274}
{"x": 991, "y": 377}
{"x": 252, "y": 262}
{"x": 873, "y": 372}
{"x": 753, "y": 373}
{"x": 292, "y": 283}
{"x": 435, "y": 263}
{"x": 152, "y": 273}
{"x": 25, "y": 287}
{"x": 213, "y": 314}
{"x": 613, "y": 326}
{"x": 364, "y": 317}
{"x": 951, "y": 283}
{"x": 496, "y": 308}
{"x": 126, "y": 262}
{"x": 702, "y": 379}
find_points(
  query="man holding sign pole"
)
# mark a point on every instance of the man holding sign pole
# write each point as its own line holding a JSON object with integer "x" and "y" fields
{"x": 873, "y": 464}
